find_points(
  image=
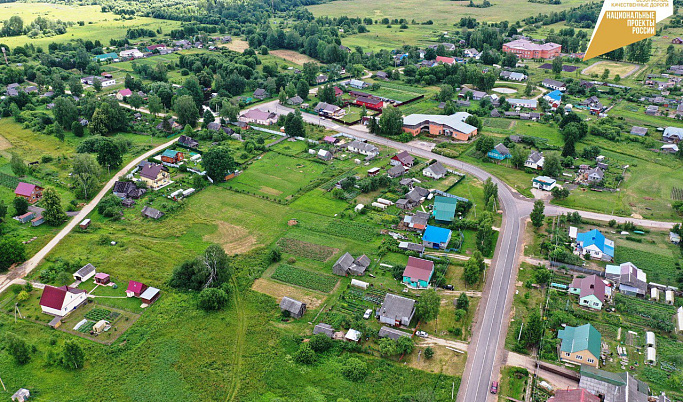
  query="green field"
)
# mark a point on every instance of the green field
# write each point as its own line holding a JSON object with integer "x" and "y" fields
{"x": 98, "y": 25}
{"x": 277, "y": 176}
{"x": 301, "y": 277}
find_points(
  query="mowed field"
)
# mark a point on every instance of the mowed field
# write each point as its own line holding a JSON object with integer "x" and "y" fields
{"x": 98, "y": 25}
{"x": 439, "y": 11}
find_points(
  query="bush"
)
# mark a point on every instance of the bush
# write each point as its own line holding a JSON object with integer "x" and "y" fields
{"x": 320, "y": 342}
{"x": 212, "y": 299}
{"x": 305, "y": 354}
{"x": 18, "y": 348}
{"x": 354, "y": 369}
{"x": 429, "y": 352}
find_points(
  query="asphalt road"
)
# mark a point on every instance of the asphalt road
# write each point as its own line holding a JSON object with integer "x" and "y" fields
{"x": 24, "y": 269}
{"x": 487, "y": 344}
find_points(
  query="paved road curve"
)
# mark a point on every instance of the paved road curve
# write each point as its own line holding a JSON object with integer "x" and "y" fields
{"x": 28, "y": 266}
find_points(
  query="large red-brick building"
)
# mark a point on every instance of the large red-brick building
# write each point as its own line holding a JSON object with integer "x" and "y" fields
{"x": 525, "y": 49}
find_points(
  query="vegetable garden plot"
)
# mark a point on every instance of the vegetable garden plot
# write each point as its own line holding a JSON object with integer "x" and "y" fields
{"x": 304, "y": 278}
{"x": 304, "y": 249}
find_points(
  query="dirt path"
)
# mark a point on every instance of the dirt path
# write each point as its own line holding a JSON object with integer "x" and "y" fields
{"x": 431, "y": 341}
{"x": 528, "y": 362}
{"x": 239, "y": 345}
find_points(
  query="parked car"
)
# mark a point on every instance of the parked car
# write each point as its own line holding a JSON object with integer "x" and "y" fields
{"x": 494, "y": 387}
{"x": 447, "y": 287}
{"x": 367, "y": 314}
{"x": 421, "y": 334}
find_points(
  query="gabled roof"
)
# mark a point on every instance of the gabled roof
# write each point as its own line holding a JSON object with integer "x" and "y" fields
{"x": 455, "y": 121}
{"x": 553, "y": 83}
{"x": 151, "y": 212}
{"x": 125, "y": 92}
{"x": 435, "y": 234}
{"x": 25, "y": 189}
{"x": 53, "y": 297}
{"x": 323, "y": 328}
{"x": 577, "y": 339}
{"x": 437, "y": 169}
{"x": 85, "y": 270}
{"x": 555, "y": 95}
{"x": 291, "y": 305}
{"x": 151, "y": 170}
{"x": 396, "y": 307}
{"x": 592, "y": 285}
{"x": 135, "y": 287}
{"x": 673, "y": 132}
{"x": 594, "y": 237}
{"x": 419, "y": 269}
{"x": 444, "y": 208}
{"x": 502, "y": 149}
{"x": 149, "y": 293}
{"x": 405, "y": 158}
{"x": 573, "y": 395}
{"x": 170, "y": 153}
{"x": 535, "y": 157}
{"x": 396, "y": 170}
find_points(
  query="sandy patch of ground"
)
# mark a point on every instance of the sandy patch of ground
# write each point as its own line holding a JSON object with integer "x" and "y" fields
{"x": 444, "y": 361}
{"x": 504, "y": 90}
{"x": 426, "y": 145}
{"x": 237, "y": 45}
{"x": 233, "y": 239}
{"x": 270, "y": 191}
{"x": 279, "y": 290}
{"x": 294, "y": 57}
{"x": 4, "y": 143}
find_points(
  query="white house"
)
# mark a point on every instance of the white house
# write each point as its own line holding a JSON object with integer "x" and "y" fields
{"x": 363, "y": 148}
{"x": 131, "y": 53}
{"x": 62, "y": 300}
{"x": 435, "y": 171}
{"x": 535, "y": 160}
{"x": 85, "y": 273}
{"x": 544, "y": 183}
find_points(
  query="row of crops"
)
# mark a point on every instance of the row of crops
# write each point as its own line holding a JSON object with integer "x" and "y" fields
{"x": 8, "y": 181}
{"x": 304, "y": 278}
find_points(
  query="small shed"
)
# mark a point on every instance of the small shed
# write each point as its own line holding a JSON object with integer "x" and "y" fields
{"x": 669, "y": 297}
{"x": 101, "y": 278}
{"x": 85, "y": 273}
{"x": 323, "y": 328}
{"x": 21, "y": 395}
{"x": 358, "y": 208}
{"x": 135, "y": 288}
{"x": 353, "y": 335}
{"x": 84, "y": 224}
{"x": 295, "y": 308}
{"x": 650, "y": 339}
{"x": 359, "y": 284}
{"x": 373, "y": 171}
{"x": 651, "y": 356}
{"x": 100, "y": 326}
{"x": 150, "y": 295}
{"x": 27, "y": 217}
{"x": 654, "y": 294}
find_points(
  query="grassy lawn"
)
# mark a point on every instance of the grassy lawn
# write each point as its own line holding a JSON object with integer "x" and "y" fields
{"x": 98, "y": 25}
{"x": 277, "y": 176}
{"x": 614, "y": 67}
{"x": 524, "y": 302}
{"x": 513, "y": 382}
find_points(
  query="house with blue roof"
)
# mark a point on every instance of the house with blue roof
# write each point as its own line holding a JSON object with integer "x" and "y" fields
{"x": 554, "y": 98}
{"x": 580, "y": 345}
{"x": 436, "y": 237}
{"x": 596, "y": 245}
{"x": 499, "y": 152}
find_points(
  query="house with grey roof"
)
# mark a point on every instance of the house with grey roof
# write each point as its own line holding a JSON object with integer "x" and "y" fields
{"x": 595, "y": 175}
{"x": 613, "y": 387}
{"x": 554, "y": 84}
{"x": 535, "y": 160}
{"x": 295, "y": 308}
{"x": 396, "y": 310}
{"x": 435, "y": 171}
{"x": 363, "y": 148}
{"x": 260, "y": 93}
{"x": 323, "y": 328}
{"x": 396, "y": 171}
{"x": 391, "y": 333}
{"x": 85, "y": 273}
{"x": 673, "y": 134}
{"x": 347, "y": 265}
{"x": 149, "y": 212}
{"x": 295, "y": 100}
{"x": 640, "y": 131}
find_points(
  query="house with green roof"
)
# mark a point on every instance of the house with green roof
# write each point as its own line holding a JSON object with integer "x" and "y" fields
{"x": 107, "y": 56}
{"x": 172, "y": 156}
{"x": 444, "y": 208}
{"x": 580, "y": 345}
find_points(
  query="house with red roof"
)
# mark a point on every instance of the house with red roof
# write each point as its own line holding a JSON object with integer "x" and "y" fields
{"x": 123, "y": 94}
{"x": 591, "y": 290}
{"x": 445, "y": 60}
{"x": 418, "y": 273}
{"x": 573, "y": 395}
{"x": 62, "y": 300}
{"x": 135, "y": 289}
{"x": 369, "y": 102}
{"x": 338, "y": 92}
{"x": 31, "y": 192}
{"x": 402, "y": 158}
{"x": 161, "y": 46}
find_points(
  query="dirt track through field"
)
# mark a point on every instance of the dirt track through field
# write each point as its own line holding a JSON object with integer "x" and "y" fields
{"x": 233, "y": 239}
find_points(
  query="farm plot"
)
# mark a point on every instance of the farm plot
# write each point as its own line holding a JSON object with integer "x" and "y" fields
{"x": 98, "y": 314}
{"x": 304, "y": 249}
{"x": 356, "y": 301}
{"x": 304, "y": 278}
{"x": 335, "y": 227}
{"x": 8, "y": 181}
{"x": 277, "y": 176}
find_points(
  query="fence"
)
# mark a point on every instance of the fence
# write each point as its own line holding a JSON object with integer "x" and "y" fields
{"x": 576, "y": 268}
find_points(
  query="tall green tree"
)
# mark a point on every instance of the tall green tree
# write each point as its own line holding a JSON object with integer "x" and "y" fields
{"x": 485, "y": 233}
{"x": 187, "y": 110}
{"x": 154, "y": 105}
{"x": 17, "y": 348}
{"x": 54, "y": 214}
{"x": 427, "y": 306}
{"x": 11, "y": 251}
{"x": 537, "y": 216}
{"x": 218, "y": 163}
{"x": 391, "y": 121}
{"x": 84, "y": 173}
{"x": 65, "y": 111}
{"x": 20, "y": 205}
{"x": 533, "y": 330}
{"x": 108, "y": 154}
{"x": 17, "y": 164}
{"x": 73, "y": 356}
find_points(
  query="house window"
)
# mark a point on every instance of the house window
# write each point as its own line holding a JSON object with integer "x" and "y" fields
{"x": 579, "y": 357}
{"x": 567, "y": 354}
{"x": 591, "y": 361}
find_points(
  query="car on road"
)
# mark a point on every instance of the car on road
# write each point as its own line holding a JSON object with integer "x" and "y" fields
{"x": 367, "y": 314}
{"x": 494, "y": 387}
{"x": 447, "y": 287}
{"x": 421, "y": 334}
